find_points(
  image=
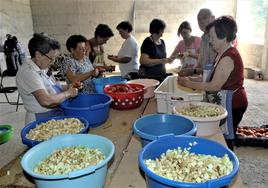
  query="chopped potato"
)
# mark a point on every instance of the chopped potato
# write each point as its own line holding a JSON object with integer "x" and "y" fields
{"x": 181, "y": 165}
{"x": 68, "y": 159}
{"x": 45, "y": 131}
{"x": 200, "y": 111}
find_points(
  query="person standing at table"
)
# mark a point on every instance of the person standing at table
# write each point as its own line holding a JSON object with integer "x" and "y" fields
{"x": 227, "y": 71}
{"x": 128, "y": 54}
{"x": 40, "y": 93}
{"x": 153, "y": 53}
{"x": 188, "y": 49}
{"x": 207, "y": 53}
{"x": 95, "y": 45}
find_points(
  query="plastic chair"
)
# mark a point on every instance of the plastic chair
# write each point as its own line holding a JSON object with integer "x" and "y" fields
{"x": 9, "y": 89}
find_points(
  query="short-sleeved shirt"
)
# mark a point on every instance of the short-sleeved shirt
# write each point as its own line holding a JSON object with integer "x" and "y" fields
{"x": 79, "y": 67}
{"x": 207, "y": 53}
{"x": 29, "y": 79}
{"x": 154, "y": 51}
{"x": 194, "y": 47}
{"x": 129, "y": 49}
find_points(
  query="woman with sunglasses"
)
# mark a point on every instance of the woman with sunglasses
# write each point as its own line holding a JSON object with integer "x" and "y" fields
{"x": 40, "y": 93}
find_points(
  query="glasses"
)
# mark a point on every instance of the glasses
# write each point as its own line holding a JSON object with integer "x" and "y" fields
{"x": 50, "y": 58}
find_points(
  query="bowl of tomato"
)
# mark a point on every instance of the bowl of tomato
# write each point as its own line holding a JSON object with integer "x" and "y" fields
{"x": 125, "y": 96}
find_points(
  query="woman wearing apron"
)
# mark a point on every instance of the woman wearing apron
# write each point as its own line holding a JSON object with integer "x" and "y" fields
{"x": 227, "y": 71}
{"x": 40, "y": 93}
{"x": 153, "y": 58}
{"x": 95, "y": 49}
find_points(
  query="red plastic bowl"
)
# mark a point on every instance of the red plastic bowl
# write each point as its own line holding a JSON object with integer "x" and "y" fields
{"x": 125, "y": 96}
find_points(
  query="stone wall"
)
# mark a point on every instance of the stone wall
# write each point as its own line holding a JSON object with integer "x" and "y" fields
{"x": 16, "y": 19}
{"x": 62, "y": 18}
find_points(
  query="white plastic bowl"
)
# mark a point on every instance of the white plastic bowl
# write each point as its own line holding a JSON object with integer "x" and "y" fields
{"x": 206, "y": 126}
{"x": 149, "y": 84}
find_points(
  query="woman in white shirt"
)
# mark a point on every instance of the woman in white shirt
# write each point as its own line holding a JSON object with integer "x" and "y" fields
{"x": 128, "y": 54}
{"x": 40, "y": 93}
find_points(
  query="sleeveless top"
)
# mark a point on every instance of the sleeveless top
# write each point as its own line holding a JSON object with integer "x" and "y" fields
{"x": 236, "y": 79}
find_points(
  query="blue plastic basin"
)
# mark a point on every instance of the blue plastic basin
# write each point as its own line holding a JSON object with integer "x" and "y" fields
{"x": 101, "y": 82}
{"x": 150, "y": 127}
{"x": 93, "y": 176}
{"x": 204, "y": 146}
{"x": 32, "y": 125}
{"x": 93, "y": 107}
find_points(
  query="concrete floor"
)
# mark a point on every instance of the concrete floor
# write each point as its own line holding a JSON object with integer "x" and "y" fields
{"x": 253, "y": 161}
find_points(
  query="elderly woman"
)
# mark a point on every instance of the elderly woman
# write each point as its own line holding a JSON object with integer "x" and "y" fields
{"x": 78, "y": 66}
{"x": 227, "y": 73}
{"x": 188, "y": 48}
{"x": 153, "y": 53}
{"x": 95, "y": 45}
{"x": 128, "y": 54}
{"x": 40, "y": 93}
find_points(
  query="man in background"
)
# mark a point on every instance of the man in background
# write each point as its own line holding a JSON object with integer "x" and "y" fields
{"x": 207, "y": 54}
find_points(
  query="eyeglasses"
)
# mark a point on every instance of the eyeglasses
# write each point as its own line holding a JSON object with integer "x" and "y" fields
{"x": 50, "y": 58}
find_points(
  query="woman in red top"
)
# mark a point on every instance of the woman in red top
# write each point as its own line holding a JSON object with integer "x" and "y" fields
{"x": 227, "y": 72}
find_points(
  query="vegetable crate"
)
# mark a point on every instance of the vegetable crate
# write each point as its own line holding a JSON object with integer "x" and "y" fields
{"x": 169, "y": 94}
{"x": 253, "y": 136}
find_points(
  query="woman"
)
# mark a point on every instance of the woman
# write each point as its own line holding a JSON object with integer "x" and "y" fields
{"x": 188, "y": 48}
{"x": 227, "y": 73}
{"x": 40, "y": 93}
{"x": 95, "y": 45}
{"x": 128, "y": 54}
{"x": 153, "y": 53}
{"x": 78, "y": 66}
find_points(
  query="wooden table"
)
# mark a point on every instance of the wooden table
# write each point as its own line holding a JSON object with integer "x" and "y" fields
{"x": 123, "y": 169}
{"x": 118, "y": 128}
{"x": 128, "y": 173}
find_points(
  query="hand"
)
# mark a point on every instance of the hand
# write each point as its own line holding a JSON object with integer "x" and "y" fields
{"x": 166, "y": 60}
{"x": 110, "y": 68}
{"x": 185, "y": 72}
{"x": 77, "y": 84}
{"x": 72, "y": 92}
{"x": 112, "y": 57}
{"x": 182, "y": 81}
{"x": 172, "y": 58}
{"x": 185, "y": 54}
{"x": 97, "y": 71}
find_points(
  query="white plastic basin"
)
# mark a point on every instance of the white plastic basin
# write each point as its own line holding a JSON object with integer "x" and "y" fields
{"x": 149, "y": 84}
{"x": 206, "y": 126}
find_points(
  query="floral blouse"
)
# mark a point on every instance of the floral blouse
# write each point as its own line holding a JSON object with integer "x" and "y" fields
{"x": 81, "y": 67}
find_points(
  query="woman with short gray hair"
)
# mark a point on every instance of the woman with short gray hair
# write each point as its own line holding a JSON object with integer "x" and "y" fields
{"x": 40, "y": 93}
